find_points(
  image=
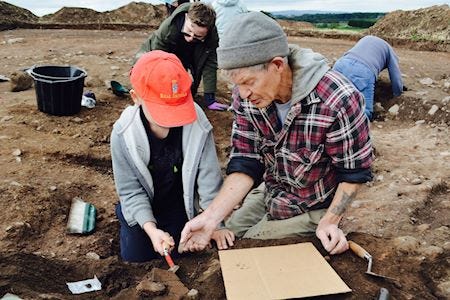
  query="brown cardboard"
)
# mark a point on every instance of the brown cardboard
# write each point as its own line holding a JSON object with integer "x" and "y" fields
{"x": 279, "y": 272}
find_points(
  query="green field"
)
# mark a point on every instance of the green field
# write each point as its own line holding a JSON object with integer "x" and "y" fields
{"x": 338, "y": 26}
{"x": 346, "y": 21}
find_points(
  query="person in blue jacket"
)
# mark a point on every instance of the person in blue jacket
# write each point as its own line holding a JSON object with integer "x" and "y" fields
{"x": 362, "y": 64}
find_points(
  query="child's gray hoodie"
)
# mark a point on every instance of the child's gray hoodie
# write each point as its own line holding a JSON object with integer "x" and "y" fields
{"x": 130, "y": 152}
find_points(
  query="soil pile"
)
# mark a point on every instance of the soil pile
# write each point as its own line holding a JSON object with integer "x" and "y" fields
{"x": 133, "y": 13}
{"x": 73, "y": 15}
{"x": 430, "y": 23}
{"x": 11, "y": 15}
{"x": 423, "y": 29}
{"x": 136, "y": 12}
{"x": 292, "y": 26}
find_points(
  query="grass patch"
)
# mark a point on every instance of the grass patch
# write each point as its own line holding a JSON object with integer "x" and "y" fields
{"x": 338, "y": 26}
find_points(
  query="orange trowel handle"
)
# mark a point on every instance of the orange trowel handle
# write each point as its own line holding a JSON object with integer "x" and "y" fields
{"x": 167, "y": 255}
{"x": 169, "y": 259}
{"x": 358, "y": 250}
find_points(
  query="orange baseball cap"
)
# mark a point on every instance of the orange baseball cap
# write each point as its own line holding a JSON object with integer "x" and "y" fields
{"x": 163, "y": 84}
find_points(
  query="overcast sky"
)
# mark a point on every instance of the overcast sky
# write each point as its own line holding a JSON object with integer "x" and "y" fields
{"x": 42, "y": 7}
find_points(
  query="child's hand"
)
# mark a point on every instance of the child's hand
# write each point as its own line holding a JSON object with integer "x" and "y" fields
{"x": 224, "y": 238}
{"x": 160, "y": 239}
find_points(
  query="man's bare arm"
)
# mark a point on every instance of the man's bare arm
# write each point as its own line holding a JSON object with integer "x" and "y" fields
{"x": 234, "y": 189}
{"x": 342, "y": 205}
{"x": 332, "y": 238}
{"x": 197, "y": 232}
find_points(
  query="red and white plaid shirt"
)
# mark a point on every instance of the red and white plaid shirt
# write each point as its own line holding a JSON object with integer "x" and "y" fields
{"x": 323, "y": 133}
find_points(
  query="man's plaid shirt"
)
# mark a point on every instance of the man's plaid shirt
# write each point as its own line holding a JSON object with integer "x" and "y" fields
{"x": 323, "y": 133}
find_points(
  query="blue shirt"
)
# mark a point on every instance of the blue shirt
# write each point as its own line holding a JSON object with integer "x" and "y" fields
{"x": 378, "y": 55}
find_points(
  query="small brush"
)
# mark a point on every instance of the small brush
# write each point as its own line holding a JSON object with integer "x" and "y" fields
{"x": 81, "y": 217}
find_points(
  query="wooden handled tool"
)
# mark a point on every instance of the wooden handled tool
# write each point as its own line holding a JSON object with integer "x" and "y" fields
{"x": 361, "y": 252}
{"x": 358, "y": 250}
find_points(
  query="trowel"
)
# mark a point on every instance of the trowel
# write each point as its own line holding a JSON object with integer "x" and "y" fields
{"x": 361, "y": 252}
{"x": 172, "y": 266}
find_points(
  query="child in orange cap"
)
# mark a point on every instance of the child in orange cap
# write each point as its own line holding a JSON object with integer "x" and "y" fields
{"x": 164, "y": 160}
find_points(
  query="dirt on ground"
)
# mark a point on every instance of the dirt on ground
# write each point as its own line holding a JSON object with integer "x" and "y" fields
{"x": 421, "y": 24}
{"x": 401, "y": 218}
{"x": 135, "y": 15}
{"x": 12, "y": 16}
{"x": 423, "y": 29}
{"x": 135, "y": 12}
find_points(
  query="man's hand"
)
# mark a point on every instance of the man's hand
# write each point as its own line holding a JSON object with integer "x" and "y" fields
{"x": 196, "y": 234}
{"x": 332, "y": 238}
{"x": 223, "y": 238}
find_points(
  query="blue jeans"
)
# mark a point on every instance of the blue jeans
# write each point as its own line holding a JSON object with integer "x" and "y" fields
{"x": 361, "y": 77}
{"x": 135, "y": 244}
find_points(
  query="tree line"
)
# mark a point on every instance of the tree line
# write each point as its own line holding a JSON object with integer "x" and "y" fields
{"x": 357, "y": 20}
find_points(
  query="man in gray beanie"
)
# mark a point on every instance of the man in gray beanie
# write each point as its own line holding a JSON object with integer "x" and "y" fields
{"x": 299, "y": 128}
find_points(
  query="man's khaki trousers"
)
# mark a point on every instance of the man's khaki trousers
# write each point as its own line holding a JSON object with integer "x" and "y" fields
{"x": 251, "y": 220}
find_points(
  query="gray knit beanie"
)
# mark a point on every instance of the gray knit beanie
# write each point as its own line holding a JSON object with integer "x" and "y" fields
{"x": 251, "y": 39}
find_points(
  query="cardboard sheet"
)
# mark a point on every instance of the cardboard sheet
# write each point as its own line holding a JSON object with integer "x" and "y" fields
{"x": 279, "y": 272}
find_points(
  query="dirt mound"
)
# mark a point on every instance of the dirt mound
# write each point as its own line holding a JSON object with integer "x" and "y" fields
{"x": 11, "y": 15}
{"x": 293, "y": 26}
{"x": 137, "y": 13}
{"x": 429, "y": 23}
{"x": 425, "y": 29}
{"x": 73, "y": 15}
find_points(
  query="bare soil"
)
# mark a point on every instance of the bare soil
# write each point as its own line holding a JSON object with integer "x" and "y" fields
{"x": 421, "y": 24}
{"x": 422, "y": 29}
{"x": 65, "y": 157}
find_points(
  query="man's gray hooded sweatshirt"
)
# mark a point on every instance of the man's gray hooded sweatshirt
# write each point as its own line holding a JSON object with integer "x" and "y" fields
{"x": 130, "y": 151}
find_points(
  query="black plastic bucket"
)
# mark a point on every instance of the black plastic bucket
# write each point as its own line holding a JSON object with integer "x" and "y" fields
{"x": 58, "y": 89}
